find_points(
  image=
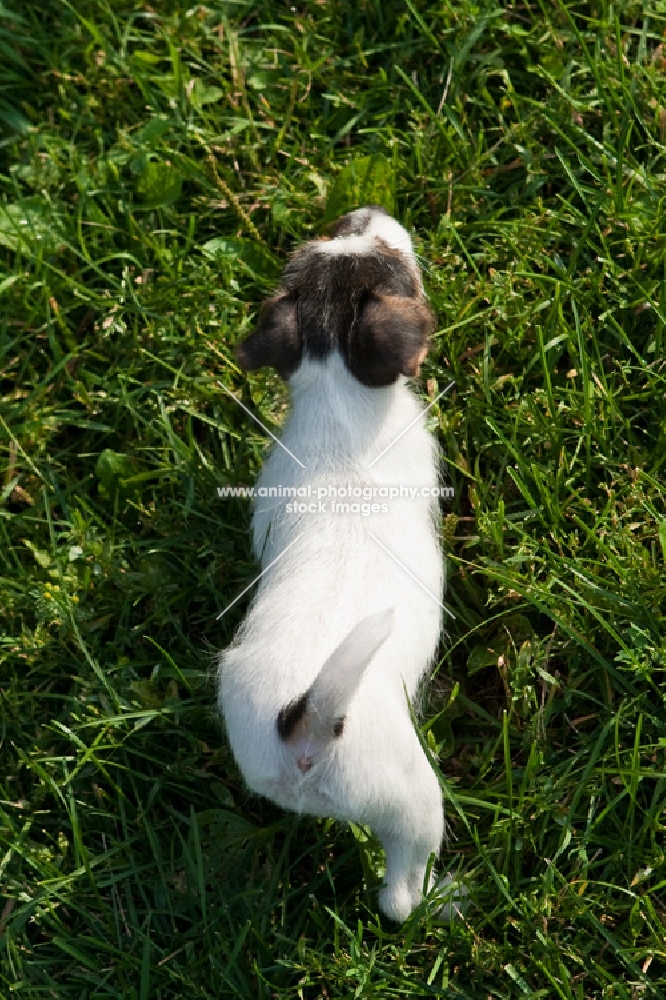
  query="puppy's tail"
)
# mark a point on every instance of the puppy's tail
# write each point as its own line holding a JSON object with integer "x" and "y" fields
{"x": 310, "y": 723}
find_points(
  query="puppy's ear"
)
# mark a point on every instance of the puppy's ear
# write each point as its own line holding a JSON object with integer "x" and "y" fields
{"x": 390, "y": 338}
{"x": 276, "y": 340}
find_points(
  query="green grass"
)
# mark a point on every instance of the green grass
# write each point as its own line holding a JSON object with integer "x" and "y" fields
{"x": 157, "y": 165}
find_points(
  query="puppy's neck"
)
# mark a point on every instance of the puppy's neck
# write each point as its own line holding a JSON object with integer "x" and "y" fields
{"x": 336, "y": 415}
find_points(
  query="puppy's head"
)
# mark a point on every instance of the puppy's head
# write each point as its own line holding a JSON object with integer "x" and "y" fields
{"x": 358, "y": 292}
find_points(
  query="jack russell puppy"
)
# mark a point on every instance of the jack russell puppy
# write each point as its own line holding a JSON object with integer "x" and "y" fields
{"x": 346, "y": 619}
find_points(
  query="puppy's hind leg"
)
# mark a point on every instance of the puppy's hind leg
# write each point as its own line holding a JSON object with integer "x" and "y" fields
{"x": 411, "y": 831}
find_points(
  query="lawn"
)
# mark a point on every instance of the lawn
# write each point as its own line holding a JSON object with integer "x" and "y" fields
{"x": 157, "y": 165}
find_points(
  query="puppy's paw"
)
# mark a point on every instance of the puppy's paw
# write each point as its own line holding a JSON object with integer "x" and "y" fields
{"x": 396, "y": 901}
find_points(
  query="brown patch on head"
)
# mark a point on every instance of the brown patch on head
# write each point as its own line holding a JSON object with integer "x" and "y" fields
{"x": 391, "y": 338}
{"x": 418, "y": 361}
{"x": 367, "y": 305}
{"x": 276, "y": 340}
{"x": 355, "y": 223}
{"x": 332, "y": 291}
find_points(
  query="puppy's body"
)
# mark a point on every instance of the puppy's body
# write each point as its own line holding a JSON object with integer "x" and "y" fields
{"x": 314, "y": 689}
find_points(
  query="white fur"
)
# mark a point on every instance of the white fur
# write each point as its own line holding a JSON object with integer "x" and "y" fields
{"x": 383, "y": 227}
{"x": 310, "y": 621}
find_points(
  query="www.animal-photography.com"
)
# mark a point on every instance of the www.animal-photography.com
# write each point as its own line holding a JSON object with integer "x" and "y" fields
{"x": 332, "y": 522}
